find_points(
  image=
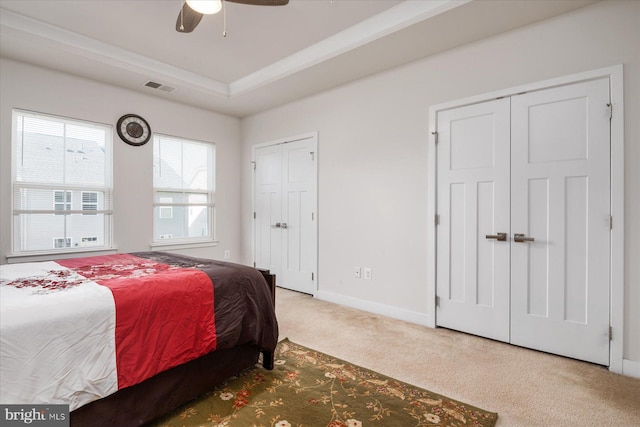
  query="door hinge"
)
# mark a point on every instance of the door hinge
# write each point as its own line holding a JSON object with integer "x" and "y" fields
{"x": 313, "y": 216}
{"x": 313, "y": 155}
{"x": 435, "y": 136}
{"x": 437, "y": 219}
{"x": 254, "y": 165}
{"x": 610, "y": 333}
{"x": 610, "y": 222}
{"x": 610, "y": 110}
{"x": 254, "y": 265}
{"x": 312, "y": 276}
{"x": 437, "y": 301}
{"x": 254, "y": 215}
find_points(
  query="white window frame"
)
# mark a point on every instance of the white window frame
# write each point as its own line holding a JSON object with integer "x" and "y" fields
{"x": 18, "y": 185}
{"x": 167, "y": 240}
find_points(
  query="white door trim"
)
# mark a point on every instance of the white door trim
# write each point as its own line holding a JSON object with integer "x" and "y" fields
{"x": 615, "y": 75}
{"x": 309, "y": 135}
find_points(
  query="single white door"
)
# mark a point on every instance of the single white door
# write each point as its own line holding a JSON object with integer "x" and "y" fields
{"x": 285, "y": 218}
{"x": 473, "y": 207}
{"x": 560, "y": 197}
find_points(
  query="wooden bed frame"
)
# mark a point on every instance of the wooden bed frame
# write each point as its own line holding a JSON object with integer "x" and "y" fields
{"x": 157, "y": 396}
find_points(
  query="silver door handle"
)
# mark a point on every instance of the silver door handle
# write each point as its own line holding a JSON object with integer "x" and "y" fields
{"x": 283, "y": 225}
{"x": 501, "y": 237}
{"x": 277, "y": 225}
{"x": 522, "y": 238}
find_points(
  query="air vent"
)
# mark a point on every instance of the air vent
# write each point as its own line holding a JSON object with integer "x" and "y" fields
{"x": 159, "y": 86}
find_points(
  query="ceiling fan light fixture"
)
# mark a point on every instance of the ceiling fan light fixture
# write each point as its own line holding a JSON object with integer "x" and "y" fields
{"x": 206, "y": 7}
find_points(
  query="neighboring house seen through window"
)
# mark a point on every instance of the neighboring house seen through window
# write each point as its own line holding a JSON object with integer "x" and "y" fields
{"x": 183, "y": 181}
{"x": 61, "y": 242}
{"x": 89, "y": 201}
{"x": 62, "y": 200}
{"x": 67, "y": 162}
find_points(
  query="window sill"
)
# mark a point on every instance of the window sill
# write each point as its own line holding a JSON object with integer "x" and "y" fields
{"x": 50, "y": 256}
{"x": 161, "y": 246}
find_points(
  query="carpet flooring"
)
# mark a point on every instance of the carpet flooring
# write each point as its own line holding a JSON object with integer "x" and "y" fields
{"x": 525, "y": 387}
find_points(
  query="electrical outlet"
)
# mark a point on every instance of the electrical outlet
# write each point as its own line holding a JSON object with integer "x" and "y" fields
{"x": 366, "y": 273}
{"x": 227, "y": 254}
{"x": 357, "y": 272}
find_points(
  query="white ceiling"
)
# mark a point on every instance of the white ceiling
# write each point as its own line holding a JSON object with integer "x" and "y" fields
{"x": 270, "y": 56}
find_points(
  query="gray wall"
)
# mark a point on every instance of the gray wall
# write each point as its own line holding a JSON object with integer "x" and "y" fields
{"x": 373, "y": 137}
{"x": 36, "y": 89}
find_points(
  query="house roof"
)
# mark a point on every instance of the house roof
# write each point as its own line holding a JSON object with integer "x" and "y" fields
{"x": 270, "y": 56}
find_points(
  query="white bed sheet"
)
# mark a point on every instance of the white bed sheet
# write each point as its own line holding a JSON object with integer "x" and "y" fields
{"x": 57, "y": 346}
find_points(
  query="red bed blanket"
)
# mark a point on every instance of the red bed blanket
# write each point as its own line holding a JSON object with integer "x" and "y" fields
{"x": 158, "y": 325}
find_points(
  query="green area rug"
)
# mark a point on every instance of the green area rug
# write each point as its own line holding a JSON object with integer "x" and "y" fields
{"x": 311, "y": 389}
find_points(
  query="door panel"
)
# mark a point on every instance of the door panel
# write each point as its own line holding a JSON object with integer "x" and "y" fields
{"x": 486, "y": 255}
{"x": 473, "y": 197}
{"x": 560, "y": 197}
{"x": 558, "y": 130}
{"x": 538, "y": 254}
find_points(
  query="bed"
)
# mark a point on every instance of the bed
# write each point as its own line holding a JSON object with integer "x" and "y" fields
{"x": 125, "y": 338}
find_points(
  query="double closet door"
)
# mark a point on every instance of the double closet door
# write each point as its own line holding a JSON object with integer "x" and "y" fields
{"x": 285, "y": 226}
{"x": 523, "y": 241}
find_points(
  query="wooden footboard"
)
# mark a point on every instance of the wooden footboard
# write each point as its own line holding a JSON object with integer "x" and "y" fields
{"x": 271, "y": 281}
{"x": 267, "y": 356}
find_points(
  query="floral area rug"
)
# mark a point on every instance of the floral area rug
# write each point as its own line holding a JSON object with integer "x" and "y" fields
{"x": 311, "y": 389}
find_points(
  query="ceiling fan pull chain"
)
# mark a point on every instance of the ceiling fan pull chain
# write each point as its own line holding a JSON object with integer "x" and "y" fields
{"x": 224, "y": 19}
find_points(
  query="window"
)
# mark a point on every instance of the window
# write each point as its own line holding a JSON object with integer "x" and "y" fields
{"x": 62, "y": 200}
{"x": 61, "y": 167}
{"x": 89, "y": 201}
{"x": 89, "y": 241}
{"x": 61, "y": 242}
{"x": 183, "y": 181}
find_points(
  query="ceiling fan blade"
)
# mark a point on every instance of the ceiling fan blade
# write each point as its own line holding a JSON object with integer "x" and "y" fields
{"x": 188, "y": 19}
{"x": 261, "y": 2}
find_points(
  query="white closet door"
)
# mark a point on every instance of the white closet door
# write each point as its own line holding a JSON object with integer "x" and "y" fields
{"x": 473, "y": 203}
{"x": 285, "y": 217}
{"x": 560, "y": 197}
{"x": 535, "y": 166}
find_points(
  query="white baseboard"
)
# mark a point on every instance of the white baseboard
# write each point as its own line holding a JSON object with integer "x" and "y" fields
{"x": 374, "y": 307}
{"x": 630, "y": 368}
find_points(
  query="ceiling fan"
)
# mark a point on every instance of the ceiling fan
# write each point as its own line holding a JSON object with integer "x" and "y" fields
{"x": 192, "y": 11}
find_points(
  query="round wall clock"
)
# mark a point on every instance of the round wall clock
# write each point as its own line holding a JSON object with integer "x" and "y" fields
{"x": 133, "y": 129}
